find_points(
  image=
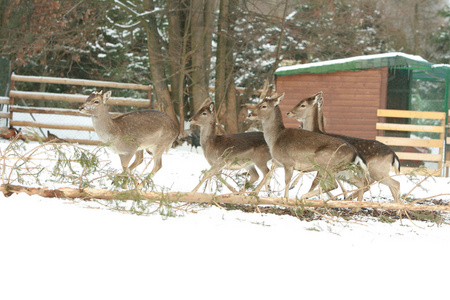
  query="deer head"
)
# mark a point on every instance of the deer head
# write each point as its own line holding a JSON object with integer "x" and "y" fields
{"x": 205, "y": 115}
{"x": 95, "y": 102}
{"x": 265, "y": 108}
{"x": 306, "y": 106}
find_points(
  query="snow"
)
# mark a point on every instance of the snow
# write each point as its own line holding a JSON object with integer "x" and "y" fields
{"x": 74, "y": 249}
{"x": 350, "y": 59}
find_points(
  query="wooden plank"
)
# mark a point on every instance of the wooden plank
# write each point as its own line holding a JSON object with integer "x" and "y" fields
{"x": 82, "y": 82}
{"x": 394, "y": 113}
{"x": 419, "y": 156}
{"x": 397, "y": 141}
{"x": 52, "y": 111}
{"x": 410, "y": 127}
{"x": 51, "y": 126}
{"x": 5, "y": 115}
{"x": 4, "y": 100}
{"x": 77, "y": 98}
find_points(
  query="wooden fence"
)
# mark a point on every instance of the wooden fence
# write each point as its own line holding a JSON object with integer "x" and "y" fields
{"x": 437, "y": 143}
{"x": 15, "y": 94}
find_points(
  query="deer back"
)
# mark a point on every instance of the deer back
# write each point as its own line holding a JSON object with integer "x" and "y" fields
{"x": 379, "y": 156}
{"x": 310, "y": 109}
{"x": 247, "y": 146}
{"x": 305, "y": 150}
{"x": 130, "y": 131}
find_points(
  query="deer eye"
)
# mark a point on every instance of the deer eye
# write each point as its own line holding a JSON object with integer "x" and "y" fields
{"x": 303, "y": 105}
{"x": 264, "y": 106}
{"x": 96, "y": 101}
{"x": 204, "y": 113}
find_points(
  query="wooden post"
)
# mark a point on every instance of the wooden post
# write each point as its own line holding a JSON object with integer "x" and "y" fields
{"x": 11, "y": 99}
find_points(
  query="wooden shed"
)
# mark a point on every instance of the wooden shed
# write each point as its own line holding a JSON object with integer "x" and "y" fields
{"x": 355, "y": 88}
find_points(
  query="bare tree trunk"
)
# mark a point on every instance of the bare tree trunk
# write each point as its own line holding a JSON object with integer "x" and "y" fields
{"x": 177, "y": 54}
{"x": 225, "y": 92}
{"x": 201, "y": 31}
{"x": 156, "y": 60}
{"x": 231, "y": 112}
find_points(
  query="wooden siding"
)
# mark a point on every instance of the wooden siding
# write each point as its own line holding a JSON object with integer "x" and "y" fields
{"x": 351, "y": 98}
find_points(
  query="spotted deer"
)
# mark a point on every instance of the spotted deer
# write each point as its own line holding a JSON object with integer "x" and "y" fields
{"x": 131, "y": 133}
{"x": 380, "y": 158}
{"x": 229, "y": 151}
{"x": 305, "y": 151}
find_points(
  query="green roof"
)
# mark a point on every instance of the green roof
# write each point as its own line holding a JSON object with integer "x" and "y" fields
{"x": 422, "y": 69}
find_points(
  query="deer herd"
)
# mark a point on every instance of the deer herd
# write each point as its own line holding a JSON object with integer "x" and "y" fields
{"x": 334, "y": 158}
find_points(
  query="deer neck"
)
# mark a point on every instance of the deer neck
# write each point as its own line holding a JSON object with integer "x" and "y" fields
{"x": 207, "y": 134}
{"x": 321, "y": 120}
{"x": 272, "y": 127}
{"x": 104, "y": 125}
{"x": 314, "y": 121}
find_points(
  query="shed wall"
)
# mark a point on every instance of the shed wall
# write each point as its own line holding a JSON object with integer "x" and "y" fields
{"x": 351, "y": 98}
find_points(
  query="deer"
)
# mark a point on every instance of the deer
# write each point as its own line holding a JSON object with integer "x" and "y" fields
{"x": 229, "y": 151}
{"x": 380, "y": 158}
{"x": 307, "y": 151}
{"x": 131, "y": 133}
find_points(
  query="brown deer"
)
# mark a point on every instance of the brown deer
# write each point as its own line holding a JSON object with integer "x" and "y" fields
{"x": 229, "y": 151}
{"x": 379, "y": 157}
{"x": 130, "y": 133}
{"x": 305, "y": 151}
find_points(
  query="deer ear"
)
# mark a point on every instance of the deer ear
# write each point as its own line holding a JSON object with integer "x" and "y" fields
{"x": 278, "y": 100}
{"x": 211, "y": 107}
{"x": 106, "y": 96}
{"x": 319, "y": 100}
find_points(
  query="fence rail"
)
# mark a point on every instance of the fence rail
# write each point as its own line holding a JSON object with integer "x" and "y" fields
{"x": 15, "y": 94}
{"x": 438, "y": 143}
{"x": 83, "y": 82}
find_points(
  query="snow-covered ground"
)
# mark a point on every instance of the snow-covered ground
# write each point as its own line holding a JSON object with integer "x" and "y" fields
{"x": 73, "y": 249}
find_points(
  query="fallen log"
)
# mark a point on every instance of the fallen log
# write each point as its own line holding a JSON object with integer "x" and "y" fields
{"x": 91, "y": 193}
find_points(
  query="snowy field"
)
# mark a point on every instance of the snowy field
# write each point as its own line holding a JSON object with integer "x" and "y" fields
{"x": 74, "y": 249}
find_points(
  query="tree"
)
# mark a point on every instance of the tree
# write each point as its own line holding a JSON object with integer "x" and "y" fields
{"x": 440, "y": 40}
{"x": 48, "y": 33}
{"x": 184, "y": 47}
{"x": 411, "y": 23}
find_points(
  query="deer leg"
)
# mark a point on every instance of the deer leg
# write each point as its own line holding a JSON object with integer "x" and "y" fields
{"x": 288, "y": 171}
{"x": 362, "y": 184}
{"x": 211, "y": 172}
{"x": 226, "y": 183}
{"x": 344, "y": 190}
{"x": 330, "y": 184}
{"x": 138, "y": 159}
{"x": 266, "y": 178}
{"x": 253, "y": 174}
{"x": 157, "y": 163}
{"x": 394, "y": 186}
{"x": 316, "y": 182}
{"x": 125, "y": 160}
{"x": 297, "y": 179}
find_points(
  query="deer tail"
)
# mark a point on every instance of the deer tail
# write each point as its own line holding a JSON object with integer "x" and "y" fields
{"x": 396, "y": 164}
